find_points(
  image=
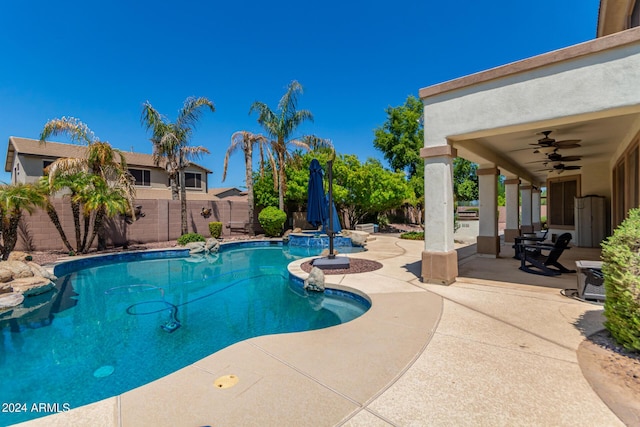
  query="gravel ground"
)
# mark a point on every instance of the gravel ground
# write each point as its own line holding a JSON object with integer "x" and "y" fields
{"x": 356, "y": 265}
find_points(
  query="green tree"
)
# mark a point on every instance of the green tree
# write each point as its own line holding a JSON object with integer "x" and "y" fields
{"x": 280, "y": 126}
{"x": 14, "y": 200}
{"x": 263, "y": 193}
{"x": 369, "y": 188}
{"x": 171, "y": 144}
{"x": 401, "y": 137}
{"x": 465, "y": 180}
{"x": 101, "y": 160}
{"x": 245, "y": 141}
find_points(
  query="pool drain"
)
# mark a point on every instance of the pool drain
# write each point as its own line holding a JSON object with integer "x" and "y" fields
{"x": 104, "y": 371}
{"x": 226, "y": 381}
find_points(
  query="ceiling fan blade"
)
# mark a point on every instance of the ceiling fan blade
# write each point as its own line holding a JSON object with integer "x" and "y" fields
{"x": 571, "y": 168}
{"x": 571, "y": 159}
{"x": 567, "y": 144}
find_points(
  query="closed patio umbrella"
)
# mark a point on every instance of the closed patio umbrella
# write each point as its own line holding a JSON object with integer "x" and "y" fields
{"x": 317, "y": 211}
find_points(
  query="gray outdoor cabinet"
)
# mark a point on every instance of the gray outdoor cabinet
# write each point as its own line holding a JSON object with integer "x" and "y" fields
{"x": 590, "y": 221}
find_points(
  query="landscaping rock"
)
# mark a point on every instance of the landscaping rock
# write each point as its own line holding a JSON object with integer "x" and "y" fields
{"x": 30, "y": 286}
{"x": 19, "y": 256}
{"x": 212, "y": 245}
{"x": 5, "y": 288}
{"x": 315, "y": 281}
{"x": 18, "y": 269}
{"x": 38, "y": 270}
{"x": 5, "y": 275}
{"x": 358, "y": 238}
{"x": 8, "y": 301}
{"x": 195, "y": 247}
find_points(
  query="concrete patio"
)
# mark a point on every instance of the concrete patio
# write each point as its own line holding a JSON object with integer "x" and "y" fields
{"x": 498, "y": 347}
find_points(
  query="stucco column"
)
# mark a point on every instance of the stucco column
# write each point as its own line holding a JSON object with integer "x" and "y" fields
{"x": 488, "y": 239}
{"x": 527, "y": 224}
{"x": 439, "y": 258}
{"x": 512, "y": 202}
{"x": 535, "y": 209}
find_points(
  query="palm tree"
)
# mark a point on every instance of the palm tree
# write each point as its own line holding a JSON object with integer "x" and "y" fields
{"x": 101, "y": 160}
{"x": 171, "y": 144}
{"x": 14, "y": 200}
{"x": 245, "y": 141}
{"x": 280, "y": 126}
{"x": 105, "y": 200}
{"x": 47, "y": 192}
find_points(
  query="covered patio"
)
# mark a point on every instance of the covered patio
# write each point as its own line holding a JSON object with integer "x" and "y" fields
{"x": 567, "y": 121}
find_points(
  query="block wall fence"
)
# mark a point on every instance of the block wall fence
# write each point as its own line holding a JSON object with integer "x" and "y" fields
{"x": 161, "y": 222}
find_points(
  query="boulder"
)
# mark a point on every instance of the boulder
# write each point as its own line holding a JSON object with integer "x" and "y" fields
{"x": 5, "y": 288}
{"x": 358, "y": 238}
{"x": 19, "y": 256}
{"x": 10, "y": 300}
{"x": 315, "y": 281}
{"x": 212, "y": 245}
{"x": 5, "y": 275}
{"x": 195, "y": 247}
{"x": 18, "y": 269}
{"x": 39, "y": 270}
{"x": 29, "y": 286}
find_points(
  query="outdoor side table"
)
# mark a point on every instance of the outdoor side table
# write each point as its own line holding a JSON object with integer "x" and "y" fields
{"x": 590, "y": 280}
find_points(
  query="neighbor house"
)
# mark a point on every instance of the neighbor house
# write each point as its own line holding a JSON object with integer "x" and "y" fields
{"x": 158, "y": 216}
{"x": 567, "y": 121}
{"x": 27, "y": 158}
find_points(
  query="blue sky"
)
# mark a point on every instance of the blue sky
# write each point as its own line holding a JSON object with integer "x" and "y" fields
{"x": 99, "y": 61}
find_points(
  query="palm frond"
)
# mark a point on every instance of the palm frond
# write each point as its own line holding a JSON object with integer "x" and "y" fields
{"x": 192, "y": 111}
{"x": 70, "y": 126}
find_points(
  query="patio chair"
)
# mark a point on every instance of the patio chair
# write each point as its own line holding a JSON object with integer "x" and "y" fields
{"x": 546, "y": 265}
{"x": 527, "y": 239}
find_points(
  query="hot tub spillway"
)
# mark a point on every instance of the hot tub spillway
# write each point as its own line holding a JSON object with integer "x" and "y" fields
{"x": 170, "y": 325}
{"x": 315, "y": 240}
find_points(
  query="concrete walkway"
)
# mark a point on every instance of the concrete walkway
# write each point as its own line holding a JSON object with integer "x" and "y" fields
{"x": 478, "y": 352}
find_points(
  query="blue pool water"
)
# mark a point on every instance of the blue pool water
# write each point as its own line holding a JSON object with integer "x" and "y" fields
{"x": 118, "y": 325}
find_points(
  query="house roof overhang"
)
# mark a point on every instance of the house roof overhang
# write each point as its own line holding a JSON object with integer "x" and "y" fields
{"x": 587, "y": 92}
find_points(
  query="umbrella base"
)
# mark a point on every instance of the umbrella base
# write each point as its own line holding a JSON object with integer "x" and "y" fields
{"x": 336, "y": 263}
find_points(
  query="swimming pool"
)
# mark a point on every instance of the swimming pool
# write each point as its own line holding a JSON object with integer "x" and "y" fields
{"x": 114, "y": 325}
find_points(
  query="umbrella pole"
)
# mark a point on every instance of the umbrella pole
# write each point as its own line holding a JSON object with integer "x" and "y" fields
{"x": 330, "y": 231}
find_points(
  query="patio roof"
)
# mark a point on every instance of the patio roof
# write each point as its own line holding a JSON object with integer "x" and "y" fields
{"x": 586, "y": 92}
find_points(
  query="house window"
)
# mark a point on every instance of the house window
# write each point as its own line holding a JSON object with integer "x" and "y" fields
{"x": 46, "y": 164}
{"x": 192, "y": 180}
{"x": 560, "y": 200}
{"x": 141, "y": 176}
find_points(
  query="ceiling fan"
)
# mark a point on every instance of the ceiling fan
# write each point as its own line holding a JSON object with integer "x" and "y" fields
{"x": 554, "y": 156}
{"x": 560, "y": 167}
{"x": 547, "y": 142}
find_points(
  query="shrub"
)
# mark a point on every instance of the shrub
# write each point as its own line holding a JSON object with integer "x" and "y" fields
{"x": 621, "y": 268}
{"x": 190, "y": 237}
{"x": 413, "y": 235}
{"x": 215, "y": 228}
{"x": 272, "y": 220}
